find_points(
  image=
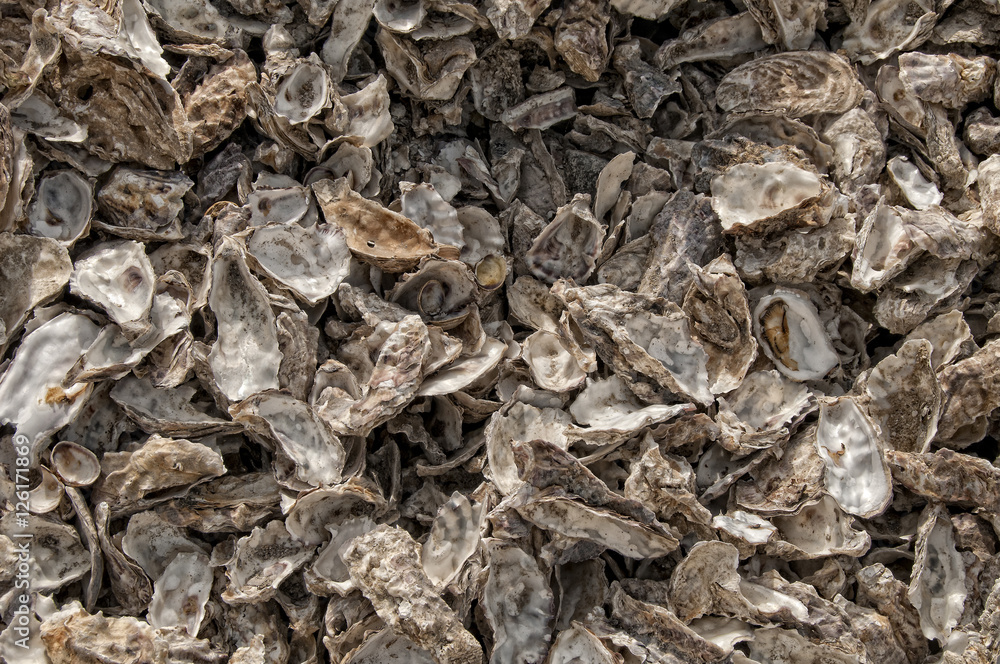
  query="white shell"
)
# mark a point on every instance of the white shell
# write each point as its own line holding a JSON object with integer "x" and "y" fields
{"x": 747, "y": 195}
{"x": 792, "y": 336}
{"x": 303, "y": 93}
{"x": 118, "y": 277}
{"x": 181, "y": 593}
{"x": 856, "y": 473}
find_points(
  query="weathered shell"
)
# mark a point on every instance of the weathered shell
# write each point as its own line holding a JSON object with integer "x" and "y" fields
{"x": 631, "y": 333}
{"x": 262, "y": 561}
{"x": 302, "y": 436}
{"x": 719, "y": 313}
{"x": 890, "y": 26}
{"x": 937, "y": 587}
{"x": 32, "y": 272}
{"x": 819, "y": 529}
{"x": 756, "y": 198}
{"x": 905, "y": 398}
{"x": 798, "y": 83}
{"x": 159, "y": 464}
{"x": 580, "y": 37}
{"x": 518, "y": 603}
{"x": 311, "y": 262}
{"x": 950, "y": 80}
{"x": 789, "y": 24}
{"x": 946, "y": 476}
{"x": 303, "y": 92}
{"x": 245, "y": 357}
{"x": 181, "y": 593}
{"x": 551, "y": 363}
{"x": 32, "y": 397}
{"x": 386, "y": 559}
{"x": 374, "y": 234}
{"x": 440, "y": 291}
{"x": 432, "y": 74}
{"x": 47, "y": 496}
{"x": 761, "y": 410}
{"x": 56, "y": 556}
{"x": 142, "y": 205}
{"x": 568, "y": 247}
{"x": 712, "y": 40}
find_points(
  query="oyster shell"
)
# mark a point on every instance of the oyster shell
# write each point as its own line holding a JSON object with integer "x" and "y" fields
{"x": 625, "y": 331}
{"x": 62, "y": 208}
{"x": 791, "y": 334}
{"x": 797, "y": 83}
{"x": 142, "y": 205}
{"x": 756, "y": 198}
{"x": 32, "y": 272}
{"x": 383, "y": 560}
{"x": 245, "y": 357}
{"x": 518, "y": 603}
{"x": 937, "y": 587}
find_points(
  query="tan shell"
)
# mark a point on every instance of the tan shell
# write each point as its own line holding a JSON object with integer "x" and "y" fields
{"x": 375, "y": 235}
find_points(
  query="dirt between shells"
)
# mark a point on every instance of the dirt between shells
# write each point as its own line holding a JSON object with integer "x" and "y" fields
{"x": 519, "y": 331}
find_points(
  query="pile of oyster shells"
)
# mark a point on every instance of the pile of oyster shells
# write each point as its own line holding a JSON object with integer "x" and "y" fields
{"x": 446, "y": 331}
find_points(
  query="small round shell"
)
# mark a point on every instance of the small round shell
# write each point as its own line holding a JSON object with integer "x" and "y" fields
{"x": 75, "y": 464}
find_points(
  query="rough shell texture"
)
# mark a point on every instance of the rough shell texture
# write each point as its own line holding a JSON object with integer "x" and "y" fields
{"x": 612, "y": 331}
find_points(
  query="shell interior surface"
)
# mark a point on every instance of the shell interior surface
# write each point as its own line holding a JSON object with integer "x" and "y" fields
{"x": 507, "y": 331}
{"x": 63, "y": 207}
{"x": 791, "y": 334}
